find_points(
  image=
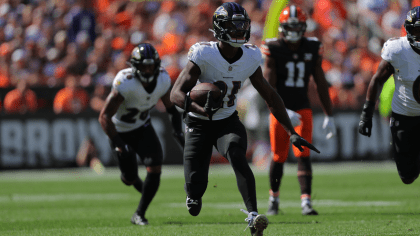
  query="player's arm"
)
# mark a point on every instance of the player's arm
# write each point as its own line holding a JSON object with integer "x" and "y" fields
{"x": 384, "y": 71}
{"x": 273, "y": 100}
{"x": 270, "y": 72}
{"x": 112, "y": 103}
{"x": 175, "y": 117}
{"x": 276, "y": 106}
{"x": 187, "y": 79}
{"x": 322, "y": 87}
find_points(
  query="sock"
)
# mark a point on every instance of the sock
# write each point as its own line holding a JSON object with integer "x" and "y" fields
{"x": 274, "y": 196}
{"x": 150, "y": 187}
{"x": 276, "y": 174}
{"x": 138, "y": 185}
{"x": 306, "y": 199}
{"x": 305, "y": 175}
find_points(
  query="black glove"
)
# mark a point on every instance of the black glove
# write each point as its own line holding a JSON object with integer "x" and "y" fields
{"x": 211, "y": 105}
{"x": 298, "y": 142}
{"x": 365, "y": 124}
{"x": 179, "y": 137}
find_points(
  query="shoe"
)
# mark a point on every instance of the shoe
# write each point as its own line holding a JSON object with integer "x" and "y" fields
{"x": 308, "y": 210}
{"x": 256, "y": 223}
{"x": 137, "y": 220}
{"x": 273, "y": 208}
{"x": 193, "y": 206}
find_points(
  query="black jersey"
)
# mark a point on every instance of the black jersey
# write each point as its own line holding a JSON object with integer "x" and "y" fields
{"x": 293, "y": 69}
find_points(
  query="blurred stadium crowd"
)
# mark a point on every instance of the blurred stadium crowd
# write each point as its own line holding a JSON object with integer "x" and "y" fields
{"x": 77, "y": 46}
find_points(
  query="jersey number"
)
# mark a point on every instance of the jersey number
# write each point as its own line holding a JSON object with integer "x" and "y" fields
{"x": 223, "y": 86}
{"x": 130, "y": 117}
{"x": 291, "y": 66}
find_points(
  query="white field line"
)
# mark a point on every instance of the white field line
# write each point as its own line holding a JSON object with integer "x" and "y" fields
{"x": 177, "y": 171}
{"x": 62, "y": 197}
{"x": 289, "y": 204}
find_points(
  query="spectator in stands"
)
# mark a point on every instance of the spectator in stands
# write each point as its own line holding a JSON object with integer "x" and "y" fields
{"x": 83, "y": 20}
{"x": 72, "y": 98}
{"x": 20, "y": 100}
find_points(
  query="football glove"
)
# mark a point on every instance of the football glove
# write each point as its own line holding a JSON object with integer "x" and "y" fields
{"x": 298, "y": 142}
{"x": 294, "y": 117}
{"x": 329, "y": 127}
{"x": 211, "y": 105}
{"x": 365, "y": 124}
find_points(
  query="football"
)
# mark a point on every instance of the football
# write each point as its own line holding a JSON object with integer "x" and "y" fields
{"x": 199, "y": 93}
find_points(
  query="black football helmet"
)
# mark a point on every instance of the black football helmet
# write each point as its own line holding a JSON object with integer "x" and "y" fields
{"x": 145, "y": 54}
{"x": 231, "y": 24}
{"x": 412, "y": 21}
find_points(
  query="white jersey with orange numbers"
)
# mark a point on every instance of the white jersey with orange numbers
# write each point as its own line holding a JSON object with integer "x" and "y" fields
{"x": 134, "y": 110}
{"x": 406, "y": 63}
{"x": 215, "y": 69}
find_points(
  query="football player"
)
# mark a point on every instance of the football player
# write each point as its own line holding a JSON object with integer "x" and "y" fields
{"x": 226, "y": 63}
{"x": 400, "y": 57}
{"x": 125, "y": 119}
{"x": 290, "y": 61}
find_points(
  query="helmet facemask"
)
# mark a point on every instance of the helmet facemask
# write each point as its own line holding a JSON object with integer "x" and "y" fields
{"x": 234, "y": 29}
{"x": 293, "y": 32}
{"x": 413, "y": 34}
{"x": 145, "y": 63}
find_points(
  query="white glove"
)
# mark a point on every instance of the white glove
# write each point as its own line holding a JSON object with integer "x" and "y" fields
{"x": 294, "y": 117}
{"x": 329, "y": 127}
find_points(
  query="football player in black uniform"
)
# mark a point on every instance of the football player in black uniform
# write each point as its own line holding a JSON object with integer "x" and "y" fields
{"x": 226, "y": 63}
{"x": 400, "y": 57}
{"x": 125, "y": 118}
{"x": 290, "y": 62}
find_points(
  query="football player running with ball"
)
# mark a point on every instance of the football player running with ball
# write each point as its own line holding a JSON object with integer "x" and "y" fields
{"x": 400, "y": 57}
{"x": 125, "y": 119}
{"x": 290, "y": 62}
{"x": 227, "y": 64}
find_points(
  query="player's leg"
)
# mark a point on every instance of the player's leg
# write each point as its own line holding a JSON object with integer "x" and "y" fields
{"x": 197, "y": 155}
{"x": 405, "y": 142}
{"x": 280, "y": 150}
{"x": 127, "y": 162}
{"x": 232, "y": 144}
{"x": 304, "y": 163}
{"x": 149, "y": 149}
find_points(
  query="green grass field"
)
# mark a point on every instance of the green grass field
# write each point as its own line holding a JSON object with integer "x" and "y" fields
{"x": 364, "y": 198}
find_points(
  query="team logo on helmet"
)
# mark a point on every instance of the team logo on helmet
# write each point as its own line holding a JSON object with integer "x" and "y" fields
{"x": 220, "y": 11}
{"x": 136, "y": 54}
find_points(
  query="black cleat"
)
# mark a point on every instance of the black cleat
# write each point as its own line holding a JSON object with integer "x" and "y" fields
{"x": 138, "y": 220}
{"x": 273, "y": 208}
{"x": 193, "y": 206}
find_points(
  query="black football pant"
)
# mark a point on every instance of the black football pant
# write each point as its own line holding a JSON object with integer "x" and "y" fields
{"x": 230, "y": 139}
{"x": 146, "y": 144}
{"x": 406, "y": 142}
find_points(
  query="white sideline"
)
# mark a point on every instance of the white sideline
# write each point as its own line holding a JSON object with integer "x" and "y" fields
{"x": 63, "y": 197}
{"x": 289, "y": 204}
{"x": 176, "y": 171}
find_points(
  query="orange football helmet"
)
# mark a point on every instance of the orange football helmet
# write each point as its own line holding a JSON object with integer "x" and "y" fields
{"x": 292, "y": 23}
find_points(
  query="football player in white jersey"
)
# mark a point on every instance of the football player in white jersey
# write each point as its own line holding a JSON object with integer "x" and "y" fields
{"x": 125, "y": 119}
{"x": 401, "y": 57}
{"x": 227, "y": 64}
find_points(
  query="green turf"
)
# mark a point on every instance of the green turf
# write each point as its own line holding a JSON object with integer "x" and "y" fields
{"x": 352, "y": 199}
